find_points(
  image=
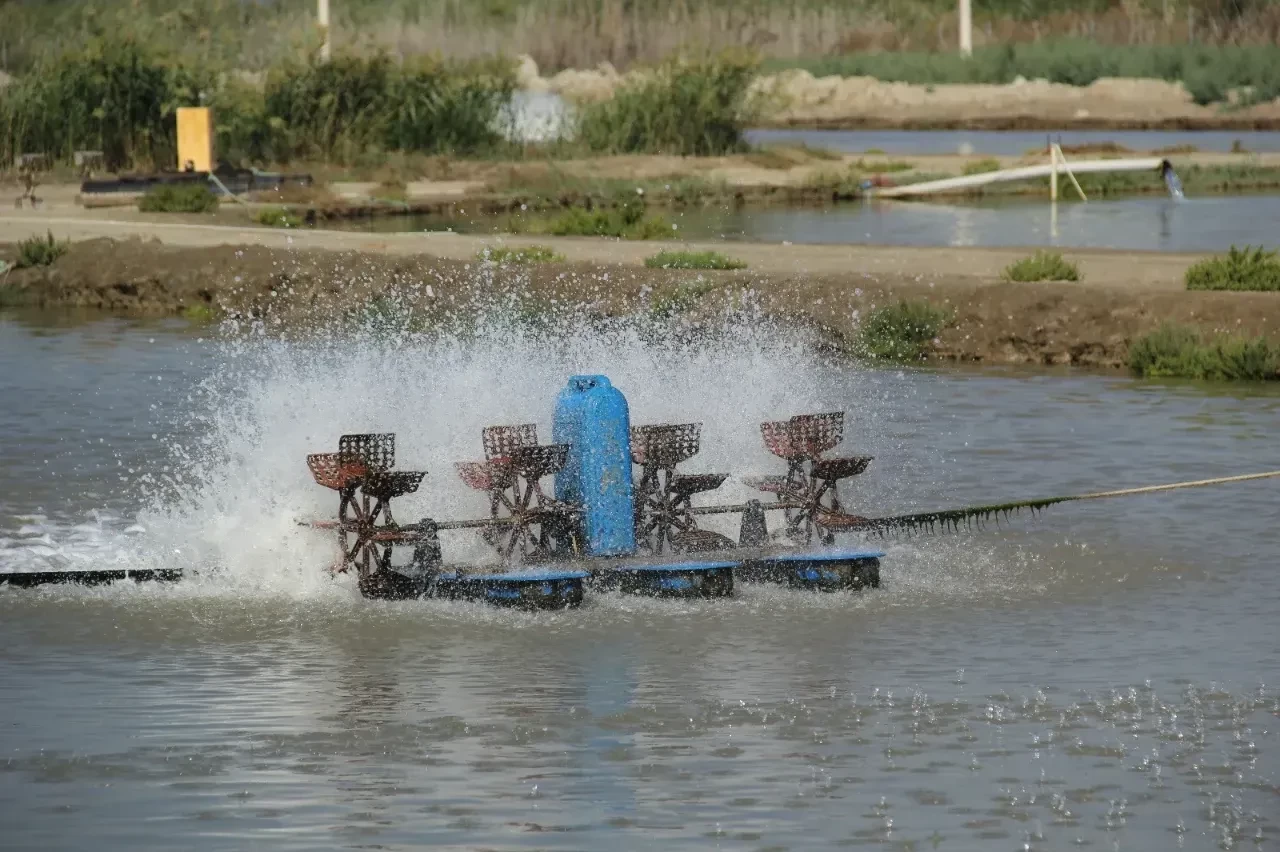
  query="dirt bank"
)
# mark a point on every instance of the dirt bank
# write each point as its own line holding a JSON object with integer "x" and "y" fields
{"x": 796, "y": 98}
{"x": 198, "y": 270}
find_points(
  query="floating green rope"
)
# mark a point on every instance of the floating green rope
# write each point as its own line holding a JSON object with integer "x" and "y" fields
{"x": 952, "y": 519}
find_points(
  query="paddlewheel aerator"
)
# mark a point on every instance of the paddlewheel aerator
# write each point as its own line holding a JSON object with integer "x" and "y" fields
{"x": 525, "y": 525}
{"x": 809, "y": 491}
{"x": 663, "y": 497}
{"x": 361, "y": 472}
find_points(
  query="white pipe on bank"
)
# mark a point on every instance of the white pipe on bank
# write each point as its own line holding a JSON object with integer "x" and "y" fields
{"x": 1021, "y": 173}
{"x": 966, "y": 28}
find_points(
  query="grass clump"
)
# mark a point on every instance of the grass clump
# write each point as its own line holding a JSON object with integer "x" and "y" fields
{"x": 1042, "y": 266}
{"x": 1175, "y": 351}
{"x": 692, "y": 260}
{"x": 979, "y": 167}
{"x": 179, "y": 198}
{"x": 521, "y": 256}
{"x": 902, "y": 332}
{"x": 39, "y": 251}
{"x": 277, "y": 217}
{"x": 1238, "y": 269}
{"x": 687, "y": 107}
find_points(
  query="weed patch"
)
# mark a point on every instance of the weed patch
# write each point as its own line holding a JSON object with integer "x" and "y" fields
{"x": 521, "y": 256}
{"x": 1174, "y": 351}
{"x": 1238, "y": 269}
{"x": 1042, "y": 266}
{"x": 39, "y": 251}
{"x": 902, "y": 332}
{"x": 692, "y": 260}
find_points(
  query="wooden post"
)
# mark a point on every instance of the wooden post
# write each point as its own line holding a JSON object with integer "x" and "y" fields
{"x": 966, "y": 28}
{"x": 1053, "y": 173}
{"x": 322, "y": 13}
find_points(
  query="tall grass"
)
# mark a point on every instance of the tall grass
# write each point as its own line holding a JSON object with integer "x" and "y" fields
{"x": 1042, "y": 266}
{"x": 118, "y": 95}
{"x": 698, "y": 107}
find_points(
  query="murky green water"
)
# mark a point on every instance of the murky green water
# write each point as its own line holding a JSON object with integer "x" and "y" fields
{"x": 1103, "y": 677}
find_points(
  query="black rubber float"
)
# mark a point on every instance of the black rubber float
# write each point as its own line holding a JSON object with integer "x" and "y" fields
{"x": 31, "y": 579}
{"x": 823, "y": 571}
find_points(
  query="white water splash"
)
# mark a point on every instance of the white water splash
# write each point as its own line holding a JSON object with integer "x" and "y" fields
{"x": 239, "y": 485}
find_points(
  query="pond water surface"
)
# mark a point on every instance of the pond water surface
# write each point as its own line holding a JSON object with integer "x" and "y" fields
{"x": 1104, "y": 676}
{"x": 1148, "y": 223}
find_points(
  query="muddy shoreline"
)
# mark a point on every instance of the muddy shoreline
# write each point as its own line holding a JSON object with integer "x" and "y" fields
{"x": 995, "y": 322}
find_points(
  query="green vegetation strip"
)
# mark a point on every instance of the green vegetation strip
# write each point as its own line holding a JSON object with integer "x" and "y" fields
{"x": 1042, "y": 266}
{"x": 1174, "y": 351}
{"x": 39, "y": 251}
{"x": 693, "y": 260}
{"x": 521, "y": 256}
{"x": 1239, "y": 269}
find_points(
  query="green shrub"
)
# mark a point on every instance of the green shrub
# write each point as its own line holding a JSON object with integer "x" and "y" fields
{"x": 277, "y": 217}
{"x": 978, "y": 167}
{"x": 692, "y": 260}
{"x": 902, "y": 332}
{"x": 1042, "y": 266}
{"x": 1238, "y": 269}
{"x": 39, "y": 251}
{"x": 1176, "y": 351}
{"x": 179, "y": 198}
{"x": 686, "y": 107}
{"x": 522, "y": 255}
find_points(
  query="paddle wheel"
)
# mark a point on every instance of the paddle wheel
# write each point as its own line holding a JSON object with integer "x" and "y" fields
{"x": 809, "y": 491}
{"x": 367, "y": 532}
{"x": 526, "y": 525}
{"x": 664, "y": 497}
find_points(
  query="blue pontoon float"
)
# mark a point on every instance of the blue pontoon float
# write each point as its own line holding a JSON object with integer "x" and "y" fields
{"x": 620, "y": 515}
